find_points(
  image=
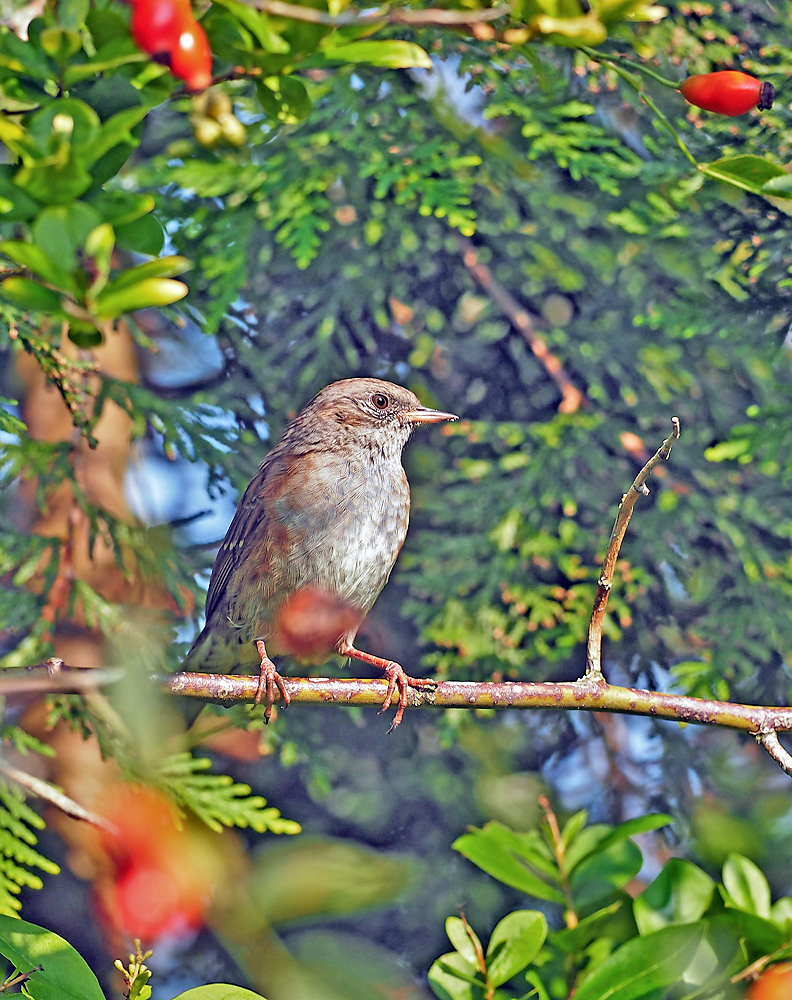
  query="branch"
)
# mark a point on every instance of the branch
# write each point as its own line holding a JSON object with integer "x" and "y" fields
{"x": 581, "y": 695}
{"x": 54, "y": 677}
{"x": 396, "y": 15}
{"x": 638, "y": 488}
{"x": 44, "y": 790}
{"x": 572, "y": 399}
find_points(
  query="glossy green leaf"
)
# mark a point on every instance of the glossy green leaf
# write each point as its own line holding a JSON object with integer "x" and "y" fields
{"x": 746, "y": 885}
{"x": 120, "y": 207}
{"x": 142, "y": 235}
{"x": 29, "y": 294}
{"x": 392, "y": 54}
{"x": 60, "y": 43}
{"x": 484, "y": 849}
{"x": 644, "y": 965}
{"x": 575, "y": 939}
{"x": 32, "y": 257}
{"x": 163, "y": 267}
{"x": 117, "y": 129}
{"x": 680, "y": 894}
{"x": 146, "y": 293}
{"x": 602, "y": 872}
{"x": 748, "y": 172}
{"x": 573, "y": 826}
{"x": 84, "y": 335}
{"x": 452, "y": 978}
{"x": 65, "y": 975}
{"x": 514, "y": 943}
{"x": 466, "y": 941}
{"x": 571, "y": 30}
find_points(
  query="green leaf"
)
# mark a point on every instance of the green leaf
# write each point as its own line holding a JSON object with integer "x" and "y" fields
{"x": 144, "y": 294}
{"x": 163, "y": 267}
{"x": 65, "y": 975}
{"x": 514, "y": 943}
{"x": 85, "y": 123}
{"x": 604, "y": 871}
{"x": 60, "y": 43}
{"x": 750, "y": 173}
{"x": 485, "y": 849}
{"x": 258, "y": 24}
{"x": 72, "y": 13}
{"x": 32, "y": 257}
{"x": 117, "y": 130}
{"x": 142, "y": 235}
{"x": 726, "y": 451}
{"x": 29, "y": 294}
{"x": 680, "y": 894}
{"x": 746, "y": 885}
{"x": 391, "y": 54}
{"x": 460, "y": 938}
{"x": 572, "y": 939}
{"x": 284, "y": 99}
{"x": 61, "y": 230}
{"x": 644, "y": 964}
{"x": 219, "y": 991}
{"x": 452, "y": 978}
{"x": 120, "y": 207}
{"x": 570, "y": 30}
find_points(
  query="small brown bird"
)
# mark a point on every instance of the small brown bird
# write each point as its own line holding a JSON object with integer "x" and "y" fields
{"x": 314, "y": 539}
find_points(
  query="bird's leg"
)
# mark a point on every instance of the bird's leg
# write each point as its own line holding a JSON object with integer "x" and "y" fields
{"x": 396, "y": 678}
{"x": 269, "y": 679}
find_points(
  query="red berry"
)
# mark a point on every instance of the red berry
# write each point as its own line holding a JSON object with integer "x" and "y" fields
{"x": 191, "y": 57}
{"x": 774, "y": 984}
{"x": 727, "y": 92}
{"x": 157, "y": 24}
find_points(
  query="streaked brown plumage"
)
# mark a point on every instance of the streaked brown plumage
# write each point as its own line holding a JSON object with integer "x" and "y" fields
{"x": 315, "y": 537}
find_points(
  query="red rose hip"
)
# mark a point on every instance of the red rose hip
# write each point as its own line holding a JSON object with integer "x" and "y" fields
{"x": 727, "y": 92}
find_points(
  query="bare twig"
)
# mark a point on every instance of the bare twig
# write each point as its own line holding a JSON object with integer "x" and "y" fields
{"x": 44, "y": 790}
{"x": 638, "y": 488}
{"x": 572, "y": 399}
{"x": 43, "y": 679}
{"x": 385, "y": 15}
{"x": 772, "y": 744}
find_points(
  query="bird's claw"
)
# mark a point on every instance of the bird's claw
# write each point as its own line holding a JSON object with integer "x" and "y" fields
{"x": 397, "y": 677}
{"x": 269, "y": 679}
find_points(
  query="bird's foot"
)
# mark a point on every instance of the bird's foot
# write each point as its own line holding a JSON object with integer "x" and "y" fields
{"x": 396, "y": 676}
{"x": 269, "y": 679}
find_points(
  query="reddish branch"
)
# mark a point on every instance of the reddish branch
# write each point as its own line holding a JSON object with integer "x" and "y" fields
{"x": 572, "y": 399}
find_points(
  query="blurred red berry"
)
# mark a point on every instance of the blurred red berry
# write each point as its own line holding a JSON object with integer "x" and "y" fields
{"x": 727, "y": 92}
{"x": 774, "y": 984}
{"x": 191, "y": 57}
{"x": 157, "y": 24}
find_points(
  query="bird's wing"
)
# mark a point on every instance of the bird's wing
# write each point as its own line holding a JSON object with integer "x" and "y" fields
{"x": 249, "y": 511}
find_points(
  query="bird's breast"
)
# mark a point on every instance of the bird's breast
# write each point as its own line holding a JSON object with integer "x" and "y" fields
{"x": 346, "y": 537}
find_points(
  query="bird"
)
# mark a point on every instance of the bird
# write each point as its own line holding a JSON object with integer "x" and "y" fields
{"x": 314, "y": 539}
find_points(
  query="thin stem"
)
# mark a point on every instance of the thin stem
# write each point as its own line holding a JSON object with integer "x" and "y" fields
{"x": 605, "y": 582}
{"x": 670, "y": 128}
{"x": 616, "y": 57}
{"x": 559, "y": 849}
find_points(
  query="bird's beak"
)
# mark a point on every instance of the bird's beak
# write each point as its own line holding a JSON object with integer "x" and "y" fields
{"x": 423, "y": 415}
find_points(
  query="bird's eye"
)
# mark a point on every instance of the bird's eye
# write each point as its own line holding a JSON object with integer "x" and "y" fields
{"x": 380, "y": 401}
